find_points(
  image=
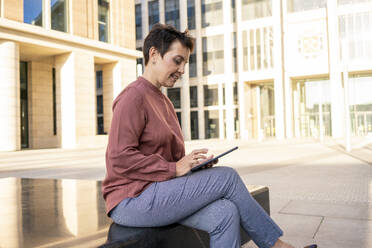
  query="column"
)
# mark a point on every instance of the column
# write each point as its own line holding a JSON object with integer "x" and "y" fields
{"x": 161, "y": 11}
{"x": 278, "y": 72}
{"x": 145, "y": 18}
{"x": 229, "y": 93}
{"x": 185, "y": 88}
{"x": 199, "y": 68}
{"x": 47, "y": 15}
{"x": 75, "y": 78}
{"x": 241, "y": 83}
{"x": 334, "y": 70}
{"x": 66, "y": 81}
{"x": 288, "y": 110}
{"x": 10, "y": 135}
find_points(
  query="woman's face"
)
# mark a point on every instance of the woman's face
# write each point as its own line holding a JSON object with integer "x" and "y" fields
{"x": 171, "y": 67}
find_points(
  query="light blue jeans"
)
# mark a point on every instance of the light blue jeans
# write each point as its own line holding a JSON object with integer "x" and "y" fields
{"x": 214, "y": 200}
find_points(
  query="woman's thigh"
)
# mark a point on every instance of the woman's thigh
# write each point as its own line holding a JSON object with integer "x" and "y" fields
{"x": 170, "y": 201}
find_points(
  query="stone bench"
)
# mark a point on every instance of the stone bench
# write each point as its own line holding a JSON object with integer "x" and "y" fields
{"x": 175, "y": 235}
{"x": 71, "y": 213}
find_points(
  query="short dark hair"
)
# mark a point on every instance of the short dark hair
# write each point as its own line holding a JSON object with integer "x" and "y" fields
{"x": 162, "y": 36}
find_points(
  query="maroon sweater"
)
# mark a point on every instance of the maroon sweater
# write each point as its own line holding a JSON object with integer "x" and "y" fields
{"x": 145, "y": 142}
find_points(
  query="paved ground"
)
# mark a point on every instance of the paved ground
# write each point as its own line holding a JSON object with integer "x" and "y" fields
{"x": 318, "y": 192}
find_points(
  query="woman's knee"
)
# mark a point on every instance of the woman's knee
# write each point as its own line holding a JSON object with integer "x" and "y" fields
{"x": 226, "y": 216}
{"x": 228, "y": 171}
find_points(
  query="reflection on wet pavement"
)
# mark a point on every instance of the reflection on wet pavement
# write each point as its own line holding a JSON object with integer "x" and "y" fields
{"x": 51, "y": 213}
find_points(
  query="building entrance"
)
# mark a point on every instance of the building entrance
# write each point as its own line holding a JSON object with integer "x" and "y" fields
{"x": 262, "y": 117}
{"x": 311, "y": 120}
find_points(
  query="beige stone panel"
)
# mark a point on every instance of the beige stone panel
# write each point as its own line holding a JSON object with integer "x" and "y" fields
{"x": 91, "y": 19}
{"x": 123, "y": 23}
{"x": 116, "y": 76}
{"x": 128, "y": 17}
{"x": 129, "y": 74}
{"x": 10, "y": 97}
{"x": 13, "y": 10}
{"x": 85, "y": 95}
{"x": 108, "y": 94}
{"x": 80, "y": 14}
{"x": 41, "y": 104}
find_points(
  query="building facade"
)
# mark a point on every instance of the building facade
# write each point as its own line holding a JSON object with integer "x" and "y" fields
{"x": 264, "y": 68}
{"x": 62, "y": 63}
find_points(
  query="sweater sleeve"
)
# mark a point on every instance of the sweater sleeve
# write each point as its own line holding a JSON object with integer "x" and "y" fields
{"x": 123, "y": 154}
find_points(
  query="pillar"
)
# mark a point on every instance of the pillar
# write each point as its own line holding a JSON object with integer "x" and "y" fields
{"x": 335, "y": 70}
{"x": 185, "y": 88}
{"x": 278, "y": 72}
{"x": 10, "y": 135}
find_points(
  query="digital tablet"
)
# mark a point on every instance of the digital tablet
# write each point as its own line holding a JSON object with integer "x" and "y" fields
{"x": 198, "y": 167}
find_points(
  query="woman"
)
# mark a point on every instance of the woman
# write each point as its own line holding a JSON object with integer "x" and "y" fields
{"x": 148, "y": 181}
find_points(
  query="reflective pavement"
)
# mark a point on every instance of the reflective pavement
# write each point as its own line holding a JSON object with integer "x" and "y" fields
{"x": 51, "y": 213}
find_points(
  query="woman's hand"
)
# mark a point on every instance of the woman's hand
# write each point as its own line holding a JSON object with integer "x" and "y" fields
{"x": 210, "y": 164}
{"x": 184, "y": 165}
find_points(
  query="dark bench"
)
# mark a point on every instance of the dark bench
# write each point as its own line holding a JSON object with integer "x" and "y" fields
{"x": 71, "y": 213}
{"x": 175, "y": 235}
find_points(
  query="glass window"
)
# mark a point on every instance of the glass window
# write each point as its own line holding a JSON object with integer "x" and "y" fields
{"x": 213, "y": 55}
{"x": 99, "y": 99}
{"x": 103, "y": 20}
{"x": 223, "y": 94}
{"x": 192, "y": 64}
{"x": 211, "y": 120}
{"x": 193, "y": 96}
{"x": 211, "y": 95}
{"x": 308, "y": 96}
{"x": 235, "y": 59}
{"x": 233, "y": 11}
{"x": 33, "y": 12}
{"x": 191, "y": 14}
{"x": 174, "y": 94}
{"x": 353, "y": 29}
{"x": 212, "y": 13}
{"x": 235, "y": 92}
{"x": 194, "y": 125}
{"x": 24, "y": 104}
{"x": 254, "y": 9}
{"x": 360, "y": 102}
{"x": 138, "y": 22}
{"x": 179, "y": 117}
{"x": 245, "y": 50}
{"x": 252, "y": 49}
{"x": 54, "y": 101}
{"x": 58, "y": 14}
{"x": 236, "y": 123}
{"x": 172, "y": 13}
{"x": 258, "y": 49}
{"x": 153, "y": 8}
{"x": 300, "y": 5}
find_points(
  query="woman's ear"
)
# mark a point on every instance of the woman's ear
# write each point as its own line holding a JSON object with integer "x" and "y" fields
{"x": 153, "y": 55}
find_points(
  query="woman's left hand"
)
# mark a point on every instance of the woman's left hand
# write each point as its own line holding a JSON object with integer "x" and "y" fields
{"x": 210, "y": 164}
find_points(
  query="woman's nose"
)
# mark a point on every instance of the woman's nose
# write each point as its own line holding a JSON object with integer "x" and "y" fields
{"x": 181, "y": 69}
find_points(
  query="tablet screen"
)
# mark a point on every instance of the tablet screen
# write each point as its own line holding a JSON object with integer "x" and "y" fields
{"x": 198, "y": 167}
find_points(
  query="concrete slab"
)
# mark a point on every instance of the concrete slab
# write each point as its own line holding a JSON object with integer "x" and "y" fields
{"x": 277, "y": 204}
{"x": 346, "y": 232}
{"x": 298, "y": 225}
{"x": 348, "y": 211}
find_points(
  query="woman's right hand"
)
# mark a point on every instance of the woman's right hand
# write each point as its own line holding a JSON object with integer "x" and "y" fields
{"x": 184, "y": 165}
